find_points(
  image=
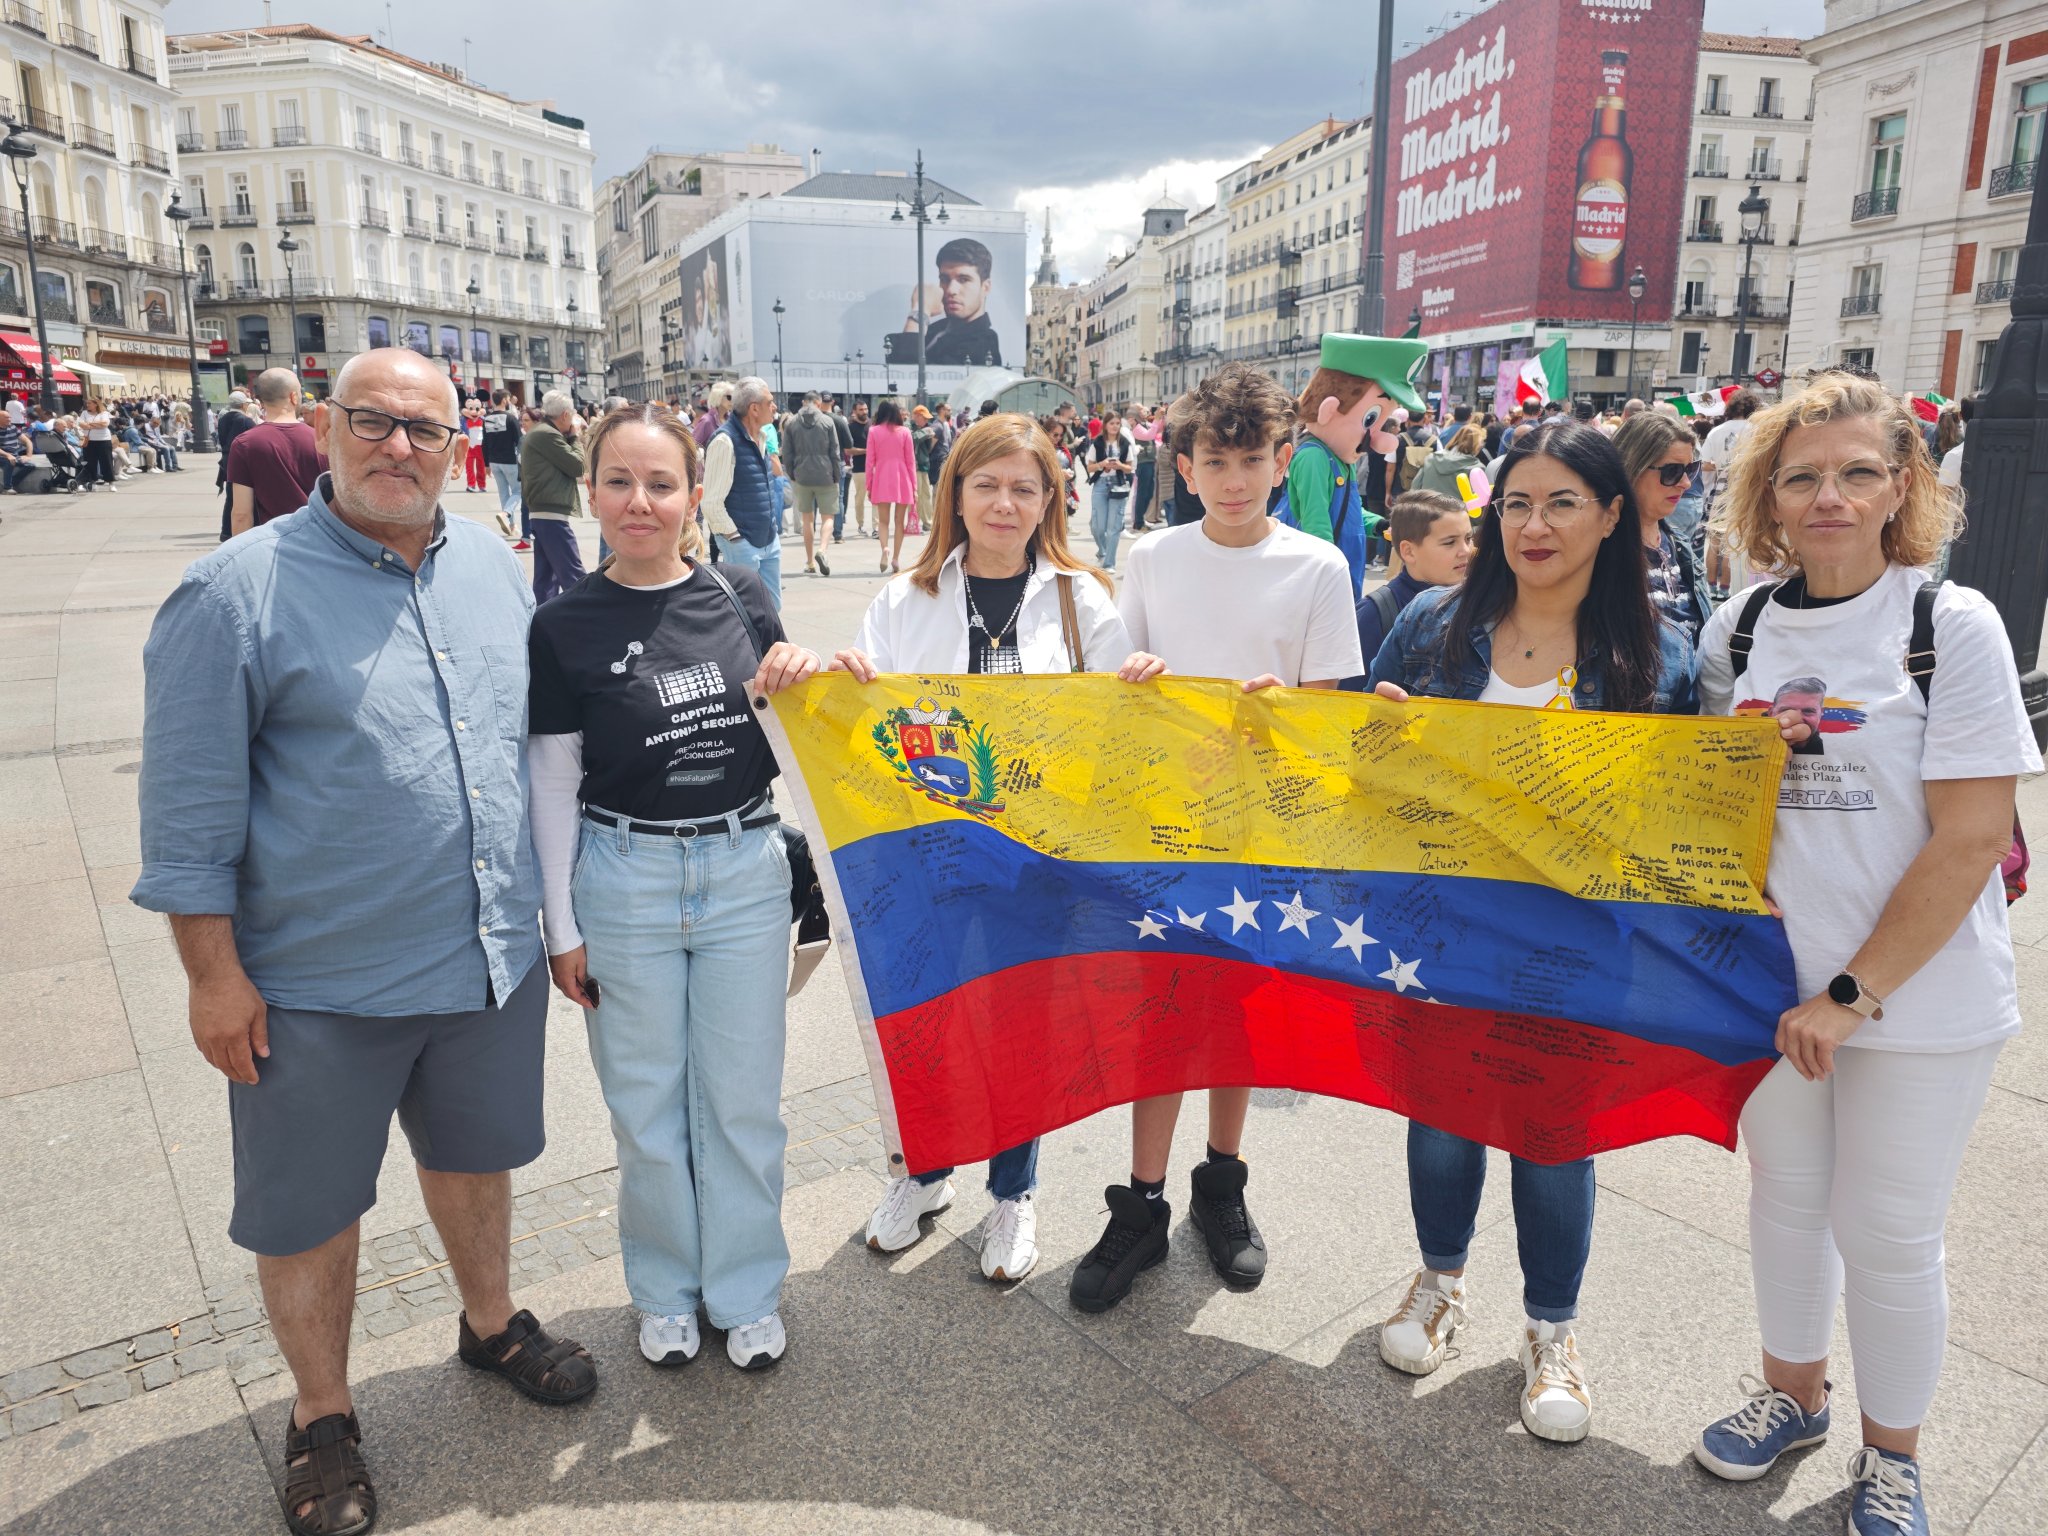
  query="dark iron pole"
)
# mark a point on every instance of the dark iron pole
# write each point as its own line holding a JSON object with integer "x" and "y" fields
{"x": 1372, "y": 303}
{"x": 2004, "y": 551}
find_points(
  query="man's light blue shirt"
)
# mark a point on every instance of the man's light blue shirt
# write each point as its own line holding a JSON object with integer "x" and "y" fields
{"x": 333, "y": 754}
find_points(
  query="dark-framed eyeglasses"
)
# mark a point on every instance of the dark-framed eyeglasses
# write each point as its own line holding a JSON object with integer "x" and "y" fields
{"x": 424, "y": 433}
{"x": 1669, "y": 475}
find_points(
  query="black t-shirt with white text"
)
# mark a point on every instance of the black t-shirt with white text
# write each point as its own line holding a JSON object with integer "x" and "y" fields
{"x": 657, "y": 683}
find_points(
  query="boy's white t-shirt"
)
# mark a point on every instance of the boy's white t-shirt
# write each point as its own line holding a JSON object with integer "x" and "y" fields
{"x": 1282, "y": 605}
{"x": 1853, "y": 815}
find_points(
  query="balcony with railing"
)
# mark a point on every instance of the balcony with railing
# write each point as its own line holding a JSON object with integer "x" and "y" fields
{"x": 2011, "y": 180}
{"x": 1764, "y": 307}
{"x": 98, "y": 140}
{"x": 531, "y": 189}
{"x": 191, "y": 143}
{"x": 1704, "y": 230}
{"x": 1770, "y": 106}
{"x": 139, "y": 63}
{"x": 1765, "y": 168}
{"x": 158, "y": 323}
{"x": 1697, "y": 306}
{"x": 418, "y": 228}
{"x": 231, "y": 138}
{"x": 154, "y": 253}
{"x": 369, "y": 143}
{"x": 51, "y": 231}
{"x": 43, "y": 121}
{"x": 372, "y": 217}
{"x": 104, "y": 242}
{"x": 149, "y": 158}
{"x": 440, "y": 165}
{"x": 568, "y": 197}
{"x": 1997, "y": 290}
{"x": 571, "y": 258}
{"x": 77, "y": 39}
{"x": 57, "y": 306}
{"x": 1289, "y": 255}
{"x": 1716, "y": 106}
{"x": 106, "y": 312}
{"x": 290, "y": 136}
{"x": 240, "y": 216}
{"x": 471, "y": 173}
{"x": 501, "y": 181}
{"x": 472, "y": 241}
{"x": 446, "y": 233}
{"x": 534, "y": 252}
{"x": 295, "y": 211}
{"x": 1860, "y": 304}
{"x": 411, "y": 156}
{"x": 202, "y": 217}
{"x": 26, "y": 17}
{"x": 1877, "y": 203}
{"x": 1709, "y": 165}
{"x": 505, "y": 246}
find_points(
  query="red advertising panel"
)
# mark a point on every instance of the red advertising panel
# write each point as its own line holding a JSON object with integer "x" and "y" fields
{"x": 1538, "y": 157}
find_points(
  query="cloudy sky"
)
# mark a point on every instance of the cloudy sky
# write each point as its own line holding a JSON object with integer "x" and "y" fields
{"x": 1092, "y": 110}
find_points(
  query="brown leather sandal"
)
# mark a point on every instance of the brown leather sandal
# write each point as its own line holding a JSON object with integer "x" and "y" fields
{"x": 332, "y": 1478}
{"x": 545, "y": 1368}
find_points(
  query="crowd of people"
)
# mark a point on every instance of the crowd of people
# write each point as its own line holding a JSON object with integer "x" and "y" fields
{"x": 569, "y": 782}
{"x": 101, "y": 444}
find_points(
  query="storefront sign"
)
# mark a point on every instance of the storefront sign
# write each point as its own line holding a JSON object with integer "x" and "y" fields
{"x": 1538, "y": 159}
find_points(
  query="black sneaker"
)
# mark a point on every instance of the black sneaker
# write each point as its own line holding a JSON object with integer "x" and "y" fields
{"x": 1134, "y": 1240}
{"x": 1218, "y": 1211}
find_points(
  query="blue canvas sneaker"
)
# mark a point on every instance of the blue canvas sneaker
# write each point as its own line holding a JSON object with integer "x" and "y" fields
{"x": 1745, "y": 1445}
{"x": 1885, "y": 1495}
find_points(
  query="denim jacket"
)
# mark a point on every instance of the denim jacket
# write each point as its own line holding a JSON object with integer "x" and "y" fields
{"x": 1413, "y": 657}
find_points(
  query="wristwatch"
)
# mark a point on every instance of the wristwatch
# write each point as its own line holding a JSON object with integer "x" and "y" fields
{"x": 1853, "y": 995}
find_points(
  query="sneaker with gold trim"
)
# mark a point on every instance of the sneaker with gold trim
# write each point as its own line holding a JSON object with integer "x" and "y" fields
{"x": 1415, "y": 1338}
{"x": 1556, "y": 1402}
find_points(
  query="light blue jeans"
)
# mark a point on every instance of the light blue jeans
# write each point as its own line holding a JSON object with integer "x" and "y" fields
{"x": 688, "y": 941}
{"x": 763, "y": 559}
{"x": 1106, "y": 521}
{"x": 506, "y": 478}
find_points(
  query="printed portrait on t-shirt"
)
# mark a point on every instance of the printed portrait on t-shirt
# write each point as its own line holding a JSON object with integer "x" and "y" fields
{"x": 1808, "y": 695}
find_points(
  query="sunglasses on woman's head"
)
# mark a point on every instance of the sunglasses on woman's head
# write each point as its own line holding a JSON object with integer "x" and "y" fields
{"x": 1673, "y": 474}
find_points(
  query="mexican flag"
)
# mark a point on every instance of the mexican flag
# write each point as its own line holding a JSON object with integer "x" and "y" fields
{"x": 1928, "y": 406}
{"x": 1543, "y": 377}
{"x": 1707, "y": 402}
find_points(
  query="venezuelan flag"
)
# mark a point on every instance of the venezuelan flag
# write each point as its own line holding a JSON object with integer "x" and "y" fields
{"x": 1538, "y": 929}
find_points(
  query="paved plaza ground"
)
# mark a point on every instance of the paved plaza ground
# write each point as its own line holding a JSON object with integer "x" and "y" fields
{"x": 140, "y": 1391}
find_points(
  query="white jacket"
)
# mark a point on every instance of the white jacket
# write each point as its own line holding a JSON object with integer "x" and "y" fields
{"x": 907, "y": 631}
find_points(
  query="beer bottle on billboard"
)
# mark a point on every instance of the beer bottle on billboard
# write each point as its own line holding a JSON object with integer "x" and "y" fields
{"x": 1600, "y": 207}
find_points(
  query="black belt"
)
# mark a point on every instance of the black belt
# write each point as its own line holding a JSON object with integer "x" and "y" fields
{"x": 684, "y": 829}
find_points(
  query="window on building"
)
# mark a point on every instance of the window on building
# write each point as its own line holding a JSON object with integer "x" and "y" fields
{"x": 1867, "y": 281}
{"x": 11, "y": 289}
{"x": 288, "y": 113}
{"x": 420, "y": 337}
{"x": 1887, "y": 151}
{"x": 1694, "y": 299}
{"x": 1703, "y": 214}
{"x": 450, "y": 342}
{"x": 1603, "y": 363}
{"x": 188, "y": 125}
{"x": 622, "y": 216}
{"x": 245, "y": 265}
{"x": 1763, "y": 160}
{"x": 295, "y": 194}
{"x": 212, "y": 330}
{"x": 650, "y": 247}
{"x": 2005, "y": 262}
{"x": 1709, "y": 161}
{"x": 238, "y": 193}
{"x": 509, "y": 351}
{"x": 469, "y": 224}
{"x": 1859, "y": 359}
{"x": 480, "y": 346}
{"x": 538, "y": 352}
{"x": 1744, "y": 345}
{"x": 1689, "y": 346}
{"x": 1717, "y": 94}
{"x": 103, "y": 302}
{"x": 202, "y": 265}
{"x": 1770, "y": 102}
{"x": 1986, "y": 350}
{"x": 379, "y": 330}
{"x": 312, "y": 331}
{"x": 252, "y": 335}
{"x": 230, "y": 117}
{"x": 441, "y": 225}
{"x": 2030, "y": 122}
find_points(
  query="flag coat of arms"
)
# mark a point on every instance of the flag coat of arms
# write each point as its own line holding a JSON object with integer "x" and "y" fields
{"x": 1540, "y": 930}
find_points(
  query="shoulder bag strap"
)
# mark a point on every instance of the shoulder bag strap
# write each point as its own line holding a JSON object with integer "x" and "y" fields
{"x": 1743, "y": 640}
{"x": 1920, "y": 649}
{"x": 738, "y": 607}
{"x": 1070, "y": 618}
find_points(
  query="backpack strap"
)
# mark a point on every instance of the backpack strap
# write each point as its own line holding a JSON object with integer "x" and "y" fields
{"x": 1920, "y": 649}
{"x": 1388, "y": 607}
{"x": 1743, "y": 640}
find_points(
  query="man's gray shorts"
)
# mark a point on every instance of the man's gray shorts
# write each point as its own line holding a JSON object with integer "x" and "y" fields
{"x": 310, "y": 1135}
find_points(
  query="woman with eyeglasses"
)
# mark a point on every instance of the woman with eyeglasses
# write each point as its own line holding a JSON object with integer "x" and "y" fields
{"x": 1657, "y": 456}
{"x": 1894, "y": 815}
{"x": 1554, "y": 612}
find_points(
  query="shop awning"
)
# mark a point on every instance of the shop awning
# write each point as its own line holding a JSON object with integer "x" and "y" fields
{"x": 98, "y": 374}
{"x": 29, "y": 358}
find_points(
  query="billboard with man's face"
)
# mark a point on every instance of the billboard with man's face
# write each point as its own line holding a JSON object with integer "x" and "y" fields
{"x": 707, "y": 309}
{"x": 848, "y": 290}
{"x": 1538, "y": 158}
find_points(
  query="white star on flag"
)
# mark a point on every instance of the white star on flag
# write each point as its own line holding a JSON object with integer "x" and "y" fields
{"x": 1352, "y": 936}
{"x": 1149, "y": 927}
{"x": 1294, "y": 915}
{"x": 1185, "y": 921}
{"x": 1402, "y": 973}
{"x": 1243, "y": 913}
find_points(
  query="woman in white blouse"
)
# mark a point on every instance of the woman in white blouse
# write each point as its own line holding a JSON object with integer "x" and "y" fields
{"x": 996, "y": 591}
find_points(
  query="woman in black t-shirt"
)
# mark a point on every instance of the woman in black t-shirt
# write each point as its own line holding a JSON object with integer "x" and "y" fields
{"x": 665, "y": 886}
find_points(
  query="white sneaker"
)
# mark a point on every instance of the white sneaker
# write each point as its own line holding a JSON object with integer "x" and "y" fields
{"x": 1009, "y": 1239}
{"x": 895, "y": 1224}
{"x": 669, "y": 1340}
{"x": 756, "y": 1346}
{"x": 1556, "y": 1402}
{"x": 1414, "y": 1339}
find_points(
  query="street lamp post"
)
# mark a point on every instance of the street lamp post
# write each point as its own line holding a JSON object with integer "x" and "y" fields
{"x": 1638, "y": 285}
{"x": 287, "y": 246}
{"x": 475, "y": 293}
{"x": 920, "y": 215}
{"x": 847, "y": 358}
{"x": 569, "y": 369}
{"x": 180, "y": 215}
{"x": 20, "y": 149}
{"x": 860, "y": 377}
{"x": 1752, "y": 208}
{"x": 668, "y": 341}
{"x": 778, "y": 311}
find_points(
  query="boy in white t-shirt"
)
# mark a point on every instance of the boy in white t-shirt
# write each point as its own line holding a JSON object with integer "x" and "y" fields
{"x": 1236, "y": 595}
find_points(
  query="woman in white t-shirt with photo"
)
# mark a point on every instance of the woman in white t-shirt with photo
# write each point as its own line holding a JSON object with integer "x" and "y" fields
{"x": 1895, "y": 811}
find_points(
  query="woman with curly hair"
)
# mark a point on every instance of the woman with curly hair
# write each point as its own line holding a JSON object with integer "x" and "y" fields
{"x": 1900, "y": 700}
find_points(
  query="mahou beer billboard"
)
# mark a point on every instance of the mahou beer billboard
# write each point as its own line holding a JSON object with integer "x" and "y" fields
{"x": 1538, "y": 158}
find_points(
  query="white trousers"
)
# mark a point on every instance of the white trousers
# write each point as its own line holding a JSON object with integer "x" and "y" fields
{"x": 1850, "y": 1180}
